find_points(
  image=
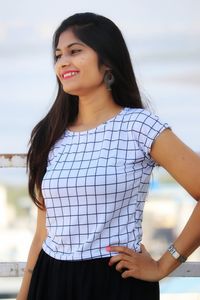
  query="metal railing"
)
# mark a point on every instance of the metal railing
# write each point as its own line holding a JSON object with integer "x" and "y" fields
{"x": 12, "y": 160}
{"x": 16, "y": 269}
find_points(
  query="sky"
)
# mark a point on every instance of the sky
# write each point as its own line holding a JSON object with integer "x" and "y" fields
{"x": 135, "y": 17}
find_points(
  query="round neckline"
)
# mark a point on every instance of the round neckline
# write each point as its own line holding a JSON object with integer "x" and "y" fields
{"x": 70, "y": 132}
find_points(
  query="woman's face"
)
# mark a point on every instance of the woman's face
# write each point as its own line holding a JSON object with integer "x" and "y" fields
{"x": 77, "y": 65}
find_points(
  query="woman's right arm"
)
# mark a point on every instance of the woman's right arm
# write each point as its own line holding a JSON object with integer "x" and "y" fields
{"x": 36, "y": 246}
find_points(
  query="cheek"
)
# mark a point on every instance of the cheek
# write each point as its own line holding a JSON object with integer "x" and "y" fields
{"x": 93, "y": 73}
{"x": 89, "y": 66}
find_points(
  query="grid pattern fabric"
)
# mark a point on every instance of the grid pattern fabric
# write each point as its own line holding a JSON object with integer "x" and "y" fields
{"x": 95, "y": 186}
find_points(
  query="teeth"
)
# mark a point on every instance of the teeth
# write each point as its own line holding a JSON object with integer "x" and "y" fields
{"x": 69, "y": 74}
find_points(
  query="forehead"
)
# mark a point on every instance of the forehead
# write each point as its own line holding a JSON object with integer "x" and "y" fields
{"x": 67, "y": 38}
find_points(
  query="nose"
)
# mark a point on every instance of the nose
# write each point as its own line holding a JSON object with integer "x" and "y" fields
{"x": 64, "y": 61}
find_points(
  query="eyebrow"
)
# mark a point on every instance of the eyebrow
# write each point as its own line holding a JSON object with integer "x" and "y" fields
{"x": 70, "y": 45}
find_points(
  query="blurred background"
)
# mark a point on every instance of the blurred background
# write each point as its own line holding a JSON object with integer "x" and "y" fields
{"x": 164, "y": 42}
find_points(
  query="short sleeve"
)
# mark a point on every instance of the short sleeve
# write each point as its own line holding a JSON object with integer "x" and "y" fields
{"x": 147, "y": 128}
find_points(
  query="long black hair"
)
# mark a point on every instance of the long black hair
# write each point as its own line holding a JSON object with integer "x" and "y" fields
{"x": 105, "y": 38}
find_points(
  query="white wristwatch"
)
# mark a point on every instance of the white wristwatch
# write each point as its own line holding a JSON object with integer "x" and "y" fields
{"x": 172, "y": 250}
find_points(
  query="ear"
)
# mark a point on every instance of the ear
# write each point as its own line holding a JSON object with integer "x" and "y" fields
{"x": 105, "y": 68}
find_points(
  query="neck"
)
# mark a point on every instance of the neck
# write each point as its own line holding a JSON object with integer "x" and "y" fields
{"x": 95, "y": 107}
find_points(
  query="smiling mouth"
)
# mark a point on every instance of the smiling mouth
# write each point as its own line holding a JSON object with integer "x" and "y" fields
{"x": 69, "y": 74}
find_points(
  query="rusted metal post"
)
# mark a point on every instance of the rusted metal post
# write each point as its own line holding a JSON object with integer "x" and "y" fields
{"x": 13, "y": 160}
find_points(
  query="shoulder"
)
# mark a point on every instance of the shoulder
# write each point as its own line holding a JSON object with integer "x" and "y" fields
{"x": 139, "y": 117}
{"x": 143, "y": 127}
{"x": 138, "y": 114}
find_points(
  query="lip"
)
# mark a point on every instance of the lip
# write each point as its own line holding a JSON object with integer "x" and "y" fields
{"x": 69, "y": 74}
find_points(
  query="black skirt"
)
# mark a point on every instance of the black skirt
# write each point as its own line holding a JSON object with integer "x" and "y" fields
{"x": 54, "y": 279}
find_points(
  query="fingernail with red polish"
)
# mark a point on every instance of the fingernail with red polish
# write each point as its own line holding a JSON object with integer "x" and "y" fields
{"x": 108, "y": 248}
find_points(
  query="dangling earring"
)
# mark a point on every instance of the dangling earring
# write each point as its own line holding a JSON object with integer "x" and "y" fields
{"x": 109, "y": 79}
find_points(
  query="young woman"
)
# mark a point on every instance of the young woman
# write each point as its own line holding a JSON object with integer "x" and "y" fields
{"x": 90, "y": 161}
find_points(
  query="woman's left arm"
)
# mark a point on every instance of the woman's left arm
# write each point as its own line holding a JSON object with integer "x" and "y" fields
{"x": 184, "y": 165}
{"x": 179, "y": 160}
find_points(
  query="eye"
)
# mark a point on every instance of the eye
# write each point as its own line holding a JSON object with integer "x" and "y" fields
{"x": 74, "y": 51}
{"x": 57, "y": 56}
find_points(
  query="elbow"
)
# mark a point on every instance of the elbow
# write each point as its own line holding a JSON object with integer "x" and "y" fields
{"x": 195, "y": 191}
{"x": 197, "y": 197}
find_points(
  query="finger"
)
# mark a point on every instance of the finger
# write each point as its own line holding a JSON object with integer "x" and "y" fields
{"x": 115, "y": 259}
{"x": 121, "y": 249}
{"x": 128, "y": 273}
{"x": 122, "y": 266}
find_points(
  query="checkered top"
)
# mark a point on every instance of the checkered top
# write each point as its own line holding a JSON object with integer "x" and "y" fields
{"x": 95, "y": 186}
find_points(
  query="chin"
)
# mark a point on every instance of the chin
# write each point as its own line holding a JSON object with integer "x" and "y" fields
{"x": 70, "y": 92}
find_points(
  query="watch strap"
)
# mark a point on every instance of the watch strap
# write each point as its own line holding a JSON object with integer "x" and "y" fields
{"x": 172, "y": 250}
